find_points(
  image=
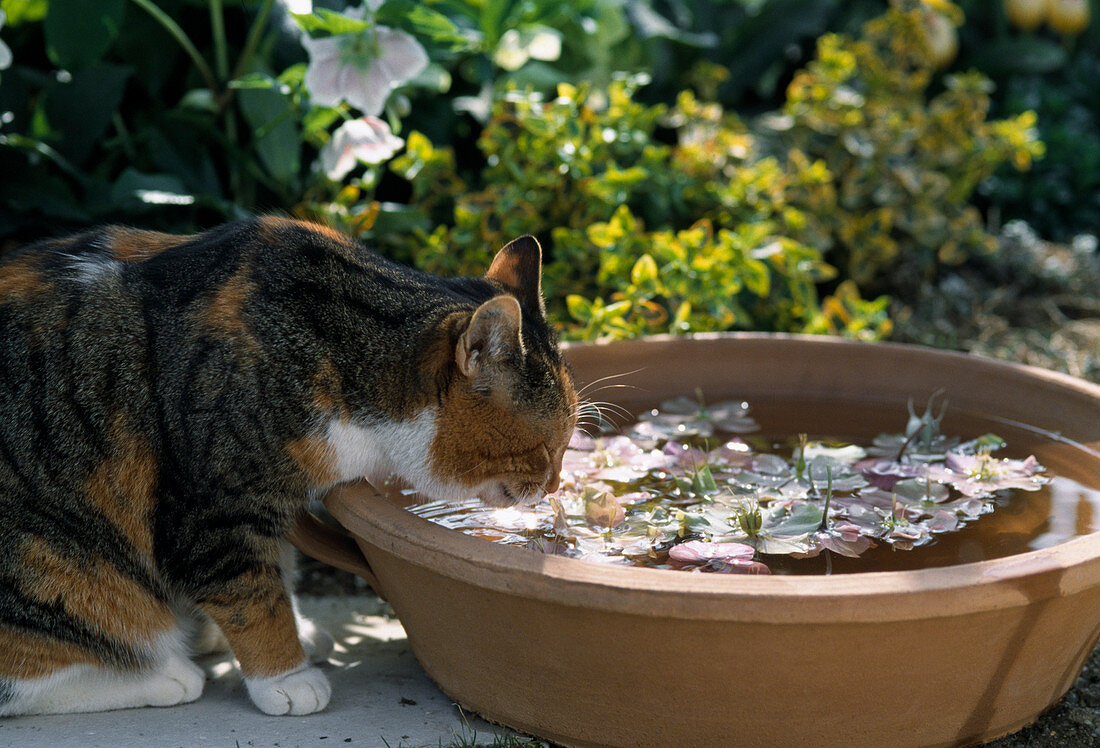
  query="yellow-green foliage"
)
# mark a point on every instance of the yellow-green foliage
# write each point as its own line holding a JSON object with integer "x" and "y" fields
{"x": 635, "y": 244}
{"x": 903, "y": 165}
{"x": 685, "y": 219}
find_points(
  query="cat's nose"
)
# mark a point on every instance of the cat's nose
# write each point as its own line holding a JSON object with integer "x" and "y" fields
{"x": 554, "y": 482}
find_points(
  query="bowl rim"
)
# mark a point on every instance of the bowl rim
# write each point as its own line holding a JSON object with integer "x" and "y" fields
{"x": 1009, "y": 582}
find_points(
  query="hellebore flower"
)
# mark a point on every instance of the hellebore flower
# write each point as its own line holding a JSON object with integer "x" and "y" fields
{"x": 729, "y": 557}
{"x": 846, "y": 539}
{"x": 367, "y": 139}
{"x": 885, "y": 473}
{"x": 982, "y": 474}
{"x": 362, "y": 68}
{"x": 616, "y": 459}
{"x": 682, "y": 416}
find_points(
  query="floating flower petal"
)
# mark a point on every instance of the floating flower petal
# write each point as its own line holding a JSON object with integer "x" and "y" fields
{"x": 981, "y": 474}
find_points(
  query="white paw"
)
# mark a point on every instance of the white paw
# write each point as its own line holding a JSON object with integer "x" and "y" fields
{"x": 316, "y": 642}
{"x": 177, "y": 681}
{"x": 301, "y": 691}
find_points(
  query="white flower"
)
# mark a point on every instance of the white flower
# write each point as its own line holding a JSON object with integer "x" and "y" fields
{"x": 5, "y": 51}
{"x": 299, "y": 7}
{"x": 367, "y": 139}
{"x": 517, "y": 47}
{"x": 362, "y": 68}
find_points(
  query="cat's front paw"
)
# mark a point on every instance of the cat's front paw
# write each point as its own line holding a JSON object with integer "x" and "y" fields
{"x": 177, "y": 681}
{"x": 301, "y": 691}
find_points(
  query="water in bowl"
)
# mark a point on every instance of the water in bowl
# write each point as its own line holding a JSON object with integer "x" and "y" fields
{"x": 1066, "y": 505}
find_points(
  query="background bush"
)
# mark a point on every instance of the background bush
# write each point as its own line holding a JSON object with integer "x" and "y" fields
{"x": 746, "y": 164}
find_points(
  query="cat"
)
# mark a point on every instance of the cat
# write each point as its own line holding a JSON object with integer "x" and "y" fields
{"x": 168, "y": 406}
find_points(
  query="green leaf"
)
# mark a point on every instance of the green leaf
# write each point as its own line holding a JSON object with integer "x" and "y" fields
{"x": 81, "y": 109}
{"x": 418, "y": 19}
{"x": 327, "y": 21}
{"x": 754, "y": 274}
{"x": 45, "y": 194}
{"x": 24, "y": 11}
{"x": 400, "y": 219}
{"x": 802, "y": 519}
{"x": 200, "y": 100}
{"x": 615, "y": 311}
{"x": 137, "y": 191}
{"x": 255, "y": 81}
{"x": 277, "y": 140}
{"x": 579, "y": 307}
{"x": 79, "y": 32}
{"x": 644, "y": 271}
{"x": 319, "y": 119}
{"x": 781, "y": 545}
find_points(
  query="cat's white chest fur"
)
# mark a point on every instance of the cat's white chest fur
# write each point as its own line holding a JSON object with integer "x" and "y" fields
{"x": 379, "y": 449}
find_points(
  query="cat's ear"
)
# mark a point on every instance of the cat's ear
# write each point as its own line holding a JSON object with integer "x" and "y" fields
{"x": 492, "y": 336}
{"x": 518, "y": 267}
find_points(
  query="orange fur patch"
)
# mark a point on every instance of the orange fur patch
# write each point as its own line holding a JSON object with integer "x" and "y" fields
{"x": 478, "y": 438}
{"x": 272, "y": 227}
{"x": 258, "y": 621}
{"x": 328, "y": 394}
{"x": 97, "y": 594}
{"x": 123, "y": 488}
{"x": 20, "y": 280}
{"x": 24, "y": 656}
{"x": 135, "y": 245}
{"x": 225, "y": 312}
{"x": 316, "y": 458}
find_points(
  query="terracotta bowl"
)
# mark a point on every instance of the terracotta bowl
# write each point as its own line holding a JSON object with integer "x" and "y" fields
{"x": 585, "y": 654}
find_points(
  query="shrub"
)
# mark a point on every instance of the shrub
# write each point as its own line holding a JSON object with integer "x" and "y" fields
{"x": 904, "y": 165}
{"x": 642, "y": 236}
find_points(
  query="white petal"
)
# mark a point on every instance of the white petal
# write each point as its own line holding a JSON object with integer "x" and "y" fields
{"x": 368, "y": 92}
{"x": 336, "y": 159}
{"x": 323, "y": 74}
{"x": 301, "y": 7}
{"x": 403, "y": 55}
{"x": 510, "y": 53}
{"x": 5, "y": 56}
{"x": 545, "y": 45}
{"x": 367, "y": 139}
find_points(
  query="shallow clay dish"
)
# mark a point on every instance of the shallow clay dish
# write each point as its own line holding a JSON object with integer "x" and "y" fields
{"x": 585, "y": 654}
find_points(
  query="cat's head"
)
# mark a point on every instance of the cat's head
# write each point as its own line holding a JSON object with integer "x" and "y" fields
{"x": 509, "y": 407}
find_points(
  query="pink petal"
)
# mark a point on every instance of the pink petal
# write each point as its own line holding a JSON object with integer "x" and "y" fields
{"x": 697, "y": 552}
{"x": 580, "y": 440}
{"x": 886, "y": 473}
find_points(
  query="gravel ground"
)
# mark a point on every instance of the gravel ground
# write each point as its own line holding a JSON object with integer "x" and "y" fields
{"x": 1032, "y": 302}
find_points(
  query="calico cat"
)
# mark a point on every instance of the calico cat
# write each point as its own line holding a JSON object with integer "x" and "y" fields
{"x": 168, "y": 404}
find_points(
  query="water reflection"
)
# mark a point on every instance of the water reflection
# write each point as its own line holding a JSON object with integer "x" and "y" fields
{"x": 1073, "y": 508}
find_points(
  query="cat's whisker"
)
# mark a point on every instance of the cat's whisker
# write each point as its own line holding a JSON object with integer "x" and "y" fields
{"x": 613, "y": 409}
{"x": 475, "y": 467}
{"x": 585, "y": 388}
